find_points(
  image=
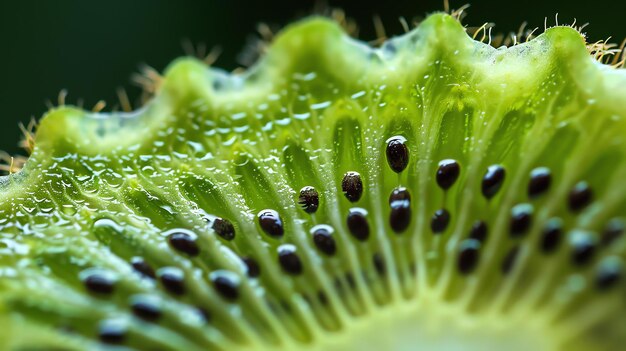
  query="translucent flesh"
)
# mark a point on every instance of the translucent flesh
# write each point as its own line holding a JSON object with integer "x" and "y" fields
{"x": 101, "y": 189}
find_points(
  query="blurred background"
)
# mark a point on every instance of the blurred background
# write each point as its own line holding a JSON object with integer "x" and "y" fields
{"x": 91, "y": 48}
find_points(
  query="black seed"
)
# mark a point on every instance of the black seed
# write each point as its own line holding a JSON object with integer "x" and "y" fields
{"x": 352, "y": 186}
{"x": 112, "y": 332}
{"x": 580, "y": 196}
{"x": 582, "y": 253}
{"x": 478, "y": 231}
{"x": 289, "y": 260}
{"x": 399, "y": 194}
{"x": 583, "y": 248}
{"x": 379, "y": 263}
{"x": 613, "y": 231}
{"x": 224, "y": 228}
{"x": 99, "y": 283}
{"x": 607, "y": 279}
{"x": 184, "y": 243}
{"x": 357, "y": 223}
{"x": 323, "y": 239}
{"x": 468, "y": 256}
{"x": 226, "y": 285}
{"x": 397, "y": 153}
{"x": 521, "y": 219}
{"x": 492, "y": 181}
{"x": 141, "y": 266}
{"x": 309, "y": 199}
{"x": 146, "y": 308}
{"x": 204, "y": 314}
{"x": 440, "y": 220}
{"x": 254, "y": 270}
{"x": 447, "y": 173}
{"x": 173, "y": 280}
{"x": 270, "y": 222}
{"x": 540, "y": 179}
{"x": 323, "y": 299}
{"x": 609, "y": 273}
{"x": 509, "y": 260}
{"x": 551, "y": 235}
{"x": 400, "y": 215}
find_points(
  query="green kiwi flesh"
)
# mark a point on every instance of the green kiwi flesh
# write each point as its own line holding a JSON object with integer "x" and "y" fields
{"x": 253, "y": 212}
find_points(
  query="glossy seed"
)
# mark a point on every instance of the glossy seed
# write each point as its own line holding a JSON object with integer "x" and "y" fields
{"x": 439, "y": 221}
{"x": 99, "y": 283}
{"x": 146, "y": 308}
{"x": 352, "y": 186}
{"x": 184, "y": 242}
{"x": 112, "y": 332}
{"x": 204, "y": 314}
{"x": 521, "y": 219}
{"x": 583, "y": 253}
{"x": 551, "y": 235}
{"x": 357, "y": 223}
{"x": 226, "y": 284}
{"x": 223, "y": 228}
{"x": 609, "y": 273}
{"x": 379, "y": 263}
{"x": 253, "y": 269}
{"x": 271, "y": 223}
{"x": 289, "y": 259}
{"x": 309, "y": 199}
{"x": 399, "y": 194}
{"x": 583, "y": 247}
{"x": 447, "y": 173}
{"x": 469, "y": 254}
{"x": 612, "y": 232}
{"x": 493, "y": 180}
{"x": 397, "y": 153}
{"x": 509, "y": 260}
{"x": 478, "y": 231}
{"x": 400, "y": 215}
{"x": 580, "y": 196}
{"x": 323, "y": 239}
{"x": 140, "y": 265}
{"x": 540, "y": 179}
{"x": 173, "y": 280}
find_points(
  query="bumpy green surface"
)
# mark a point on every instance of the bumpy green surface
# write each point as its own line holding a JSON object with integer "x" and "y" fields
{"x": 101, "y": 189}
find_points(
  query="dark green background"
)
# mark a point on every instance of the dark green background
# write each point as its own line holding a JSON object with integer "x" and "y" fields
{"x": 92, "y": 47}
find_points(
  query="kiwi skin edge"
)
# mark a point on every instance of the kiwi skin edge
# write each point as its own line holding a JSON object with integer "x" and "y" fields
{"x": 201, "y": 232}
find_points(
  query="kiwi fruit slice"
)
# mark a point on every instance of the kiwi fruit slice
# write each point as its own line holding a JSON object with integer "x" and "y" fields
{"x": 435, "y": 193}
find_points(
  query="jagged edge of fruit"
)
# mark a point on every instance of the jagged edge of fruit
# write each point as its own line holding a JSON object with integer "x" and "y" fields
{"x": 610, "y": 55}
